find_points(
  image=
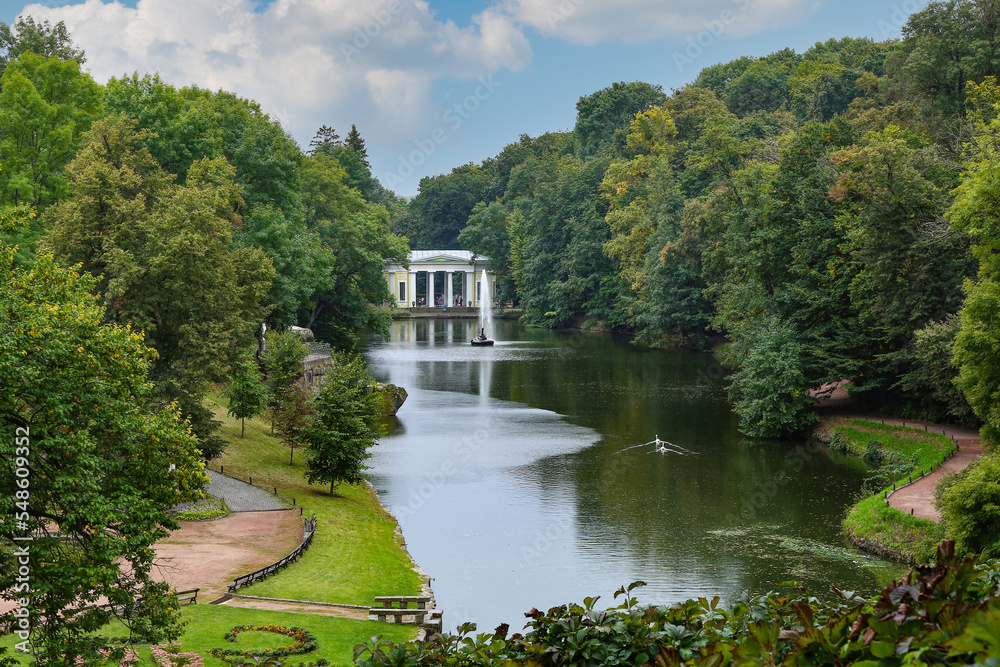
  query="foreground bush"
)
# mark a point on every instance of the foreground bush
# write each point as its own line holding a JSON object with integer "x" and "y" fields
{"x": 969, "y": 502}
{"x": 944, "y": 613}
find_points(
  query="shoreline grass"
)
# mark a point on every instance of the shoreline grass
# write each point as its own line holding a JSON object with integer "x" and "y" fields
{"x": 356, "y": 553}
{"x": 870, "y": 523}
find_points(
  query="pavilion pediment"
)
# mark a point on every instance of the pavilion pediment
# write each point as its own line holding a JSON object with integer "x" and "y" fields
{"x": 443, "y": 259}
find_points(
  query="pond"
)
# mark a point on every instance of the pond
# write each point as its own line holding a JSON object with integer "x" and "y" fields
{"x": 514, "y": 473}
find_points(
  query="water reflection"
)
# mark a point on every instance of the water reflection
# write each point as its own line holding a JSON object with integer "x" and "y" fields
{"x": 505, "y": 475}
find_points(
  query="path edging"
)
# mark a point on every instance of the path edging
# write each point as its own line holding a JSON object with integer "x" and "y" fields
{"x": 343, "y": 605}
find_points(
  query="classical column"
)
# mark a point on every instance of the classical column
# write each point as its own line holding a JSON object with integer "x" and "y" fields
{"x": 430, "y": 289}
{"x": 411, "y": 287}
{"x": 449, "y": 289}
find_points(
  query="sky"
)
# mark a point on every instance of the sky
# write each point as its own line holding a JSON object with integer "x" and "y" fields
{"x": 433, "y": 84}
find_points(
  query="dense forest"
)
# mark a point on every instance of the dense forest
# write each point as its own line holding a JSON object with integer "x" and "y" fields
{"x": 832, "y": 214}
{"x": 198, "y": 213}
{"x": 829, "y": 214}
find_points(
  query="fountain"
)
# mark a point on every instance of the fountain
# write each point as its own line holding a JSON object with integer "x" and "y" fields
{"x": 485, "y": 312}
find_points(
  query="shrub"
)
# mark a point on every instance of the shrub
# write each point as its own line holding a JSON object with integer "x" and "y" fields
{"x": 939, "y": 613}
{"x": 969, "y": 503}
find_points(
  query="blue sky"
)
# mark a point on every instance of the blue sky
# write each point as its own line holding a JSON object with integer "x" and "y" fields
{"x": 432, "y": 84}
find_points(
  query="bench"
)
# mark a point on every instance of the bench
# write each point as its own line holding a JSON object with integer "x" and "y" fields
{"x": 397, "y": 606}
{"x": 186, "y": 596}
{"x": 402, "y": 601}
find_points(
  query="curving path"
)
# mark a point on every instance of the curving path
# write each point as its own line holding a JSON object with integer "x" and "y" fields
{"x": 210, "y": 554}
{"x": 919, "y": 496}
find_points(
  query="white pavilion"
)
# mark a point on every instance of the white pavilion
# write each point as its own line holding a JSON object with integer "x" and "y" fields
{"x": 453, "y": 277}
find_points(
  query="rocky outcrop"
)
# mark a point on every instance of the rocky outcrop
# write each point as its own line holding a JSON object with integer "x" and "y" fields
{"x": 393, "y": 398}
{"x": 307, "y": 334}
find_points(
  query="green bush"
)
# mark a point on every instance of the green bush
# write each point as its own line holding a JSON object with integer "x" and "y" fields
{"x": 204, "y": 510}
{"x": 945, "y": 613}
{"x": 969, "y": 502}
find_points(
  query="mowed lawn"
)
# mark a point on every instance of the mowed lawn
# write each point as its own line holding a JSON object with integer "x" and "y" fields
{"x": 355, "y": 554}
{"x": 871, "y": 520}
{"x": 336, "y": 637}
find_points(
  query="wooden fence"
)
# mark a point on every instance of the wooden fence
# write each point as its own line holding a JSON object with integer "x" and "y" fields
{"x": 265, "y": 572}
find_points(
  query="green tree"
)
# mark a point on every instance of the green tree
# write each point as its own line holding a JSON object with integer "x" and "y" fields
{"x": 359, "y": 236}
{"x": 908, "y": 268}
{"x": 977, "y": 199}
{"x": 102, "y": 469}
{"x": 355, "y": 141}
{"x": 247, "y": 392}
{"x": 487, "y": 235}
{"x": 442, "y": 207}
{"x": 161, "y": 110}
{"x": 664, "y": 295}
{"x": 604, "y": 117}
{"x": 345, "y": 426}
{"x": 190, "y": 124}
{"x": 303, "y": 265}
{"x": 167, "y": 263}
{"x": 283, "y": 365}
{"x": 325, "y": 139}
{"x": 45, "y": 107}
{"x": 946, "y": 45}
{"x": 769, "y": 391}
{"x": 43, "y": 39}
{"x": 763, "y": 85}
{"x": 969, "y": 502}
{"x": 291, "y": 419}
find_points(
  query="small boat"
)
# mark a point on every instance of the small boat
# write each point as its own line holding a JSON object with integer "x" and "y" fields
{"x": 481, "y": 339}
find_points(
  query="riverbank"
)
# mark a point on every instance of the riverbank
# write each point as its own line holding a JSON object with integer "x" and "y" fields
{"x": 897, "y": 455}
{"x": 357, "y": 552}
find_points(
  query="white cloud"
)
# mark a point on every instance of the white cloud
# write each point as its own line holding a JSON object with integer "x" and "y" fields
{"x": 307, "y": 62}
{"x": 589, "y": 22}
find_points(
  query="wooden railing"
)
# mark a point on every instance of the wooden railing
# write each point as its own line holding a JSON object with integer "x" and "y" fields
{"x": 264, "y": 572}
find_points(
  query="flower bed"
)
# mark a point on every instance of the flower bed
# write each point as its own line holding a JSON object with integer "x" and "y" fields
{"x": 304, "y": 642}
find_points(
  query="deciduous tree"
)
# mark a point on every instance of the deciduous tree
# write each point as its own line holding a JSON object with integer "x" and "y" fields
{"x": 165, "y": 253}
{"x": 246, "y": 391}
{"x": 43, "y": 39}
{"x": 99, "y": 470}
{"x": 345, "y": 426}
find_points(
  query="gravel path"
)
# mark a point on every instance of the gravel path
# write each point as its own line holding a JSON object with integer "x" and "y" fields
{"x": 240, "y": 496}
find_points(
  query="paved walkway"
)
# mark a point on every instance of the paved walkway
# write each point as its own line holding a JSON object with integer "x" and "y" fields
{"x": 919, "y": 496}
{"x": 239, "y": 496}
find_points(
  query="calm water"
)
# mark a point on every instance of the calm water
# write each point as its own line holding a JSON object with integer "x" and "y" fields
{"x": 506, "y": 471}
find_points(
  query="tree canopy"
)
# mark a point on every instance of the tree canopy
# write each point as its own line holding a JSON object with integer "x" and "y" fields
{"x": 101, "y": 467}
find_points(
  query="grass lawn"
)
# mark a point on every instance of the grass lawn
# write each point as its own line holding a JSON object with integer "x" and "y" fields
{"x": 355, "y": 554}
{"x": 931, "y": 449}
{"x": 336, "y": 637}
{"x": 870, "y": 522}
